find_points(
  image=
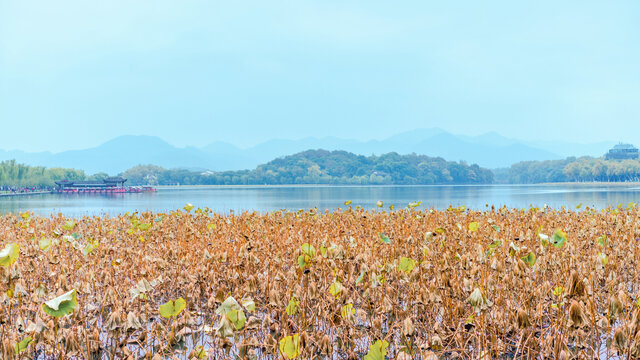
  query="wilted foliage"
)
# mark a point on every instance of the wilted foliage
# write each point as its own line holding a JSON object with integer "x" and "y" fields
{"x": 352, "y": 284}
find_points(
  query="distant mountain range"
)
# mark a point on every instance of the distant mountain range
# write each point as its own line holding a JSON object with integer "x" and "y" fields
{"x": 490, "y": 150}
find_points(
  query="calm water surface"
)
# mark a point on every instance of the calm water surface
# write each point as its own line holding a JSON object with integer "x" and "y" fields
{"x": 267, "y": 198}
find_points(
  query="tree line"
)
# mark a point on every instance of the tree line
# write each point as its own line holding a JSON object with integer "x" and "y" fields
{"x": 325, "y": 167}
{"x": 13, "y": 174}
{"x": 341, "y": 167}
{"x": 571, "y": 169}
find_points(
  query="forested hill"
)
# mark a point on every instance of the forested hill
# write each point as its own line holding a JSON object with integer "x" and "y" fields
{"x": 327, "y": 167}
{"x": 342, "y": 167}
{"x": 570, "y": 169}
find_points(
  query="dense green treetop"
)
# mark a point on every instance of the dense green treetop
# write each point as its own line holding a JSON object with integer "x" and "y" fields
{"x": 326, "y": 167}
{"x": 341, "y": 167}
{"x": 14, "y": 174}
{"x": 569, "y": 170}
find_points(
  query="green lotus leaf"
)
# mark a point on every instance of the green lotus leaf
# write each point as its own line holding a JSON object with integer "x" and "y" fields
{"x": 603, "y": 258}
{"x": 414, "y": 204}
{"x": 69, "y": 225}
{"x": 495, "y": 244}
{"x": 406, "y": 264}
{"x": 473, "y": 226}
{"x": 301, "y": 262}
{"x": 384, "y": 238}
{"x": 22, "y": 345}
{"x": 188, "y": 207}
{"x": 379, "y": 203}
{"x": 558, "y": 290}
{"x": 290, "y": 346}
{"x": 9, "y": 254}
{"x": 237, "y": 318}
{"x": 201, "y": 352}
{"x": 308, "y": 249}
{"x": 602, "y": 240}
{"x": 144, "y": 226}
{"x": 89, "y": 248}
{"x": 513, "y": 249}
{"x": 45, "y": 243}
{"x": 62, "y": 305}
{"x": 347, "y": 311}
{"x": 335, "y": 289}
{"x": 172, "y": 308}
{"x": 292, "y": 307}
{"x": 529, "y": 259}
{"x": 559, "y": 238}
{"x": 377, "y": 351}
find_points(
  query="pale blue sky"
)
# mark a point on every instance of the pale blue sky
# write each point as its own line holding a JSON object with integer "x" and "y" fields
{"x": 77, "y": 73}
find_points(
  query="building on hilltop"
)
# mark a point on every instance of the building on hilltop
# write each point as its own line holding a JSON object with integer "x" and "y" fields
{"x": 622, "y": 152}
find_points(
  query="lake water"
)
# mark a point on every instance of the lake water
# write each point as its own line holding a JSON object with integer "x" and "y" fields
{"x": 224, "y": 199}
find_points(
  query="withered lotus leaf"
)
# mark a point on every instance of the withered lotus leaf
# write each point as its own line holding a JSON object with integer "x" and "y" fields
{"x": 249, "y": 304}
{"x": 227, "y": 305}
{"x": 478, "y": 301}
{"x": 388, "y": 284}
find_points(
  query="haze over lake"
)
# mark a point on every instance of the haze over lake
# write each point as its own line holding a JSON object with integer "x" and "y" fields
{"x": 269, "y": 198}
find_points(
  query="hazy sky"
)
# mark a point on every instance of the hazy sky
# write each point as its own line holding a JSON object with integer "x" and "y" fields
{"x": 77, "y": 73}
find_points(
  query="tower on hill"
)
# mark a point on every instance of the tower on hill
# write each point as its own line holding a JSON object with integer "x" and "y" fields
{"x": 622, "y": 152}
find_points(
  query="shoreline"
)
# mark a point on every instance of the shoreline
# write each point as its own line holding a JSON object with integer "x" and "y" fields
{"x": 25, "y": 193}
{"x": 238, "y": 186}
{"x": 168, "y": 187}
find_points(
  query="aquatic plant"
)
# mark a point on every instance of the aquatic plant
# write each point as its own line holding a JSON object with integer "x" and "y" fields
{"x": 348, "y": 284}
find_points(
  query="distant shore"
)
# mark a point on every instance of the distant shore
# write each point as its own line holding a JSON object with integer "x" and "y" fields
{"x": 595, "y": 183}
{"x": 12, "y": 194}
{"x": 172, "y": 187}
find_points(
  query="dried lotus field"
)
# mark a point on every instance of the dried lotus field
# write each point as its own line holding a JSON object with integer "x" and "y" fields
{"x": 348, "y": 284}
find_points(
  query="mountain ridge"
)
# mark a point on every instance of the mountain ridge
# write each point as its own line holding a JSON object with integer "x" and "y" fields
{"x": 490, "y": 150}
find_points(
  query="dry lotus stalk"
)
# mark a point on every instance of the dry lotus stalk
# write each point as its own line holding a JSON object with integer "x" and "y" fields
{"x": 457, "y": 283}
